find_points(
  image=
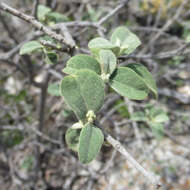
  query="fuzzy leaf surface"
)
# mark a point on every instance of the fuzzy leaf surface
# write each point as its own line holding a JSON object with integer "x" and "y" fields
{"x": 129, "y": 84}
{"x": 125, "y": 39}
{"x": 30, "y": 47}
{"x": 83, "y": 92}
{"x": 70, "y": 90}
{"x": 82, "y": 61}
{"x": 90, "y": 142}
{"x": 91, "y": 89}
{"x": 146, "y": 77}
{"x": 42, "y": 11}
{"x": 108, "y": 61}
{"x": 96, "y": 44}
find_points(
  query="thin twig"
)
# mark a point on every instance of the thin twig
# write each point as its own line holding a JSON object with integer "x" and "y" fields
{"x": 31, "y": 129}
{"x": 113, "y": 12}
{"x": 169, "y": 22}
{"x": 60, "y": 38}
{"x": 52, "y": 46}
{"x": 35, "y": 9}
{"x": 162, "y": 55}
{"x": 117, "y": 145}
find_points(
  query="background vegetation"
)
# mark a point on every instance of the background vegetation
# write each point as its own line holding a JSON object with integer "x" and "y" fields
{"x": 33, "y": 122}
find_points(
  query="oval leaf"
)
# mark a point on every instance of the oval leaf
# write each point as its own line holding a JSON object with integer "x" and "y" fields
{"x": 125, "y": 39}
{"x": 72, "y": 138}
{"x": 42, "y": 11}
{"x": 29, "y": 47}
{"x": 108, "y": 61}
{"x": 83, "y": 61}
{"x": 129, "y": 84}
{"x": 96, "y": 44}
{"x": 146, "y": 77}
{"x": 90, "y": 142}
{"x": 161, "y": 118}
{"x": 157, "y": 130}
{"x": 91, "y": 89}
{"x": 70, "y": 90}
{"x": 83, "y": 92}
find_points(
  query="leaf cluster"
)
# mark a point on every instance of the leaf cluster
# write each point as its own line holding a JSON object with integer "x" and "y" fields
{"x": 83, "y": 88}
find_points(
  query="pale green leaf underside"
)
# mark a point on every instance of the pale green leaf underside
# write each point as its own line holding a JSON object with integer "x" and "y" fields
{"x": 90, "y": 142}
{"x": 125, "y": 39}
{"x": 83, "y": 61}
{"x": 42, "y": 11}
{"x": 108, "y": 61}
{"x": 138, "y": 116}
{"x": 29, "y": 47}
{"x": 146, "y": 76}
{"x": 157, "y": 130}
{"x": 57, "y": 17}
{"x": 161, "y": 118}
{"x": 129, "y": 84}
{"x": 83, "y": 92}
{"x": 96, "y": 44}
{"x": 100, "y": 43}
{"x": 72, "y": 138}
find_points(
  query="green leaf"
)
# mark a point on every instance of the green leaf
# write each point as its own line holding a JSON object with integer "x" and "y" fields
{"x": 161, "y": 118}
{"x": 90, "y": 142}
{"x": 30, "y": 47}
{"x": 83, "y": 61}
{"x": 42, "y": 11}
{"x": 57, "y": 17}
{"x": 146, "y": 77}
{"x": 129, "y": 84}
{"x": 72, "y": 138}
{"x": 108, "y": 61}
{"x": 96, "y": 44}
{"x": 125, "y": 39}
{"x": 53, "y": 89}
{"x": 51, "y": 58}
{"x": 158, "y": 115}
{"x": 157, "y": 130}
{"x": 70, "y": 90}
{"x": 138, "y": 116}
{"x": 91, "y": 88}
{"x": 83, "y": 92}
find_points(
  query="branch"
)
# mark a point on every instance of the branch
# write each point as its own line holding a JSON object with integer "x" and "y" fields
{"x": 38, "y": 25}
{"x": 174, "y": 94}
{"x": 162, "y": 55}
{"x": 52, "y": 46}
{"x": 113, "y": 12}
{"x": 30, "y": 129}
{"x": 81, "y": 24}
{"x": 98, "y": 24}
{"x": 117, "y": 145}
